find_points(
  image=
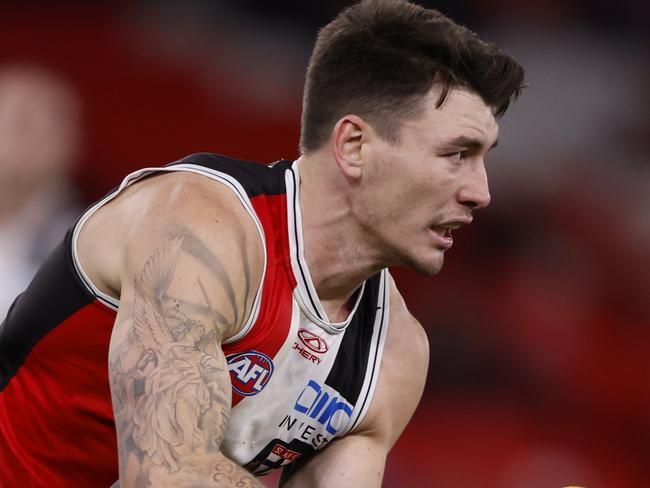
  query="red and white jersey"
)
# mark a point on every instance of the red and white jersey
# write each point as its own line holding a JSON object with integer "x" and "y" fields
{"x": 298, "y": 380}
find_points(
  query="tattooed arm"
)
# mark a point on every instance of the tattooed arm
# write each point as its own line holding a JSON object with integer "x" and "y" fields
{"x": 192, "y": 263}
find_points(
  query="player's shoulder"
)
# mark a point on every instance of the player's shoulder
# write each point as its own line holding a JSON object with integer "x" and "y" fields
{"x": 180, "y": 202}
{"x": 251, "y": 177}
{"x": 143, "y": 217}
{"x": 167, "y": 201}
{"x": 181, "y": 194}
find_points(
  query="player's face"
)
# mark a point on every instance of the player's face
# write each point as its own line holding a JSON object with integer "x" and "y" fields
{"x": 427, "y": 185}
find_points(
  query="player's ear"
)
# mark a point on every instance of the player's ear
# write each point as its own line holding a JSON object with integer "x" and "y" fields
{"x": 348, "y": 137}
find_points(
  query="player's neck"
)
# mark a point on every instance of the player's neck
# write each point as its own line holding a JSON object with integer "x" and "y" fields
{"x": 337, "y": 252}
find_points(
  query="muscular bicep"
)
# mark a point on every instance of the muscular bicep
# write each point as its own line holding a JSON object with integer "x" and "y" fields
{"x": 181, "y": 295}
{"x": 168, "y": 375}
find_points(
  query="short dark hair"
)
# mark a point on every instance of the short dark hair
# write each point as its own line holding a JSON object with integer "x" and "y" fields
{"x": 378, "y": 58}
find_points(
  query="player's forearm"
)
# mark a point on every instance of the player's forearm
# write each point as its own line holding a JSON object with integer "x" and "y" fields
{"x": 215, "y": 471}
{"x": 228, "y": 474}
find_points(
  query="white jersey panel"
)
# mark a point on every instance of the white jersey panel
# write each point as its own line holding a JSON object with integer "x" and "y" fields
{"x": 269, "y": 429}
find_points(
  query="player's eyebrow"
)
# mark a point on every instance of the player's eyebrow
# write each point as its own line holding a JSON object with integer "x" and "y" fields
{"x": 468, "y": 142}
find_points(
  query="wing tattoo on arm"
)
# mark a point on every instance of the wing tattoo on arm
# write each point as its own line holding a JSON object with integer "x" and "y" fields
{"x": 177, "y": 389}
{"x": 150, "y": 325}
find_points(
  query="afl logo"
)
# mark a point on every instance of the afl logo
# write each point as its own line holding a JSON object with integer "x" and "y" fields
{"x": 250, "y": 372}
{"x": 312, "y": 341}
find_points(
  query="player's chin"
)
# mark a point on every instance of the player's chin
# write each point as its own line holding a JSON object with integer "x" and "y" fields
{"x": 429, "y": 264}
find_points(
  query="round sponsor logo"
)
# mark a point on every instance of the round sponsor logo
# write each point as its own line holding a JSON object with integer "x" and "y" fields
{"x": 312, "y": 341}
{"x": 250, "y": 372}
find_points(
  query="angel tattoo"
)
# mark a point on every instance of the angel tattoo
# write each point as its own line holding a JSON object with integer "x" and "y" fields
{"x": 177, "y": 379}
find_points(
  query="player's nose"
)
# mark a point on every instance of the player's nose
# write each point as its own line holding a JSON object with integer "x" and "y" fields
{"x": 475, "y": 191}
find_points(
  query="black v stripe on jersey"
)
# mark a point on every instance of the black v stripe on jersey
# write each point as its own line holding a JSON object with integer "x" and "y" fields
{"x": 353, "y": 354}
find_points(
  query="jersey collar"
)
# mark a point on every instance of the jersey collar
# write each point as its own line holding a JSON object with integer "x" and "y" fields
{"x": 305, "y": 292}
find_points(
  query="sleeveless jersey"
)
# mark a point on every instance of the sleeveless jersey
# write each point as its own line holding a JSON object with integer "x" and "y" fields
{"x": 298, "y": 380}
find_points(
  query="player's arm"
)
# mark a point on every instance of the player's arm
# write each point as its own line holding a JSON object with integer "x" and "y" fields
{"x": 192, "y": 263}
{"x": 359, "y": 458}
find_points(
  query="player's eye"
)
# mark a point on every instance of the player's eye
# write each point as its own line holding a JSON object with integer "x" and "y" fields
{"x": 456, "y": 156}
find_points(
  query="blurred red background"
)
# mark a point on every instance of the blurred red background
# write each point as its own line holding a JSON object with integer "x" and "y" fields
{"x": 539, "y": 325}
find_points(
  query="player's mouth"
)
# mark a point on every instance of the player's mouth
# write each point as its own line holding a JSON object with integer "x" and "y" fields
{"x": 442, "y": 233}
